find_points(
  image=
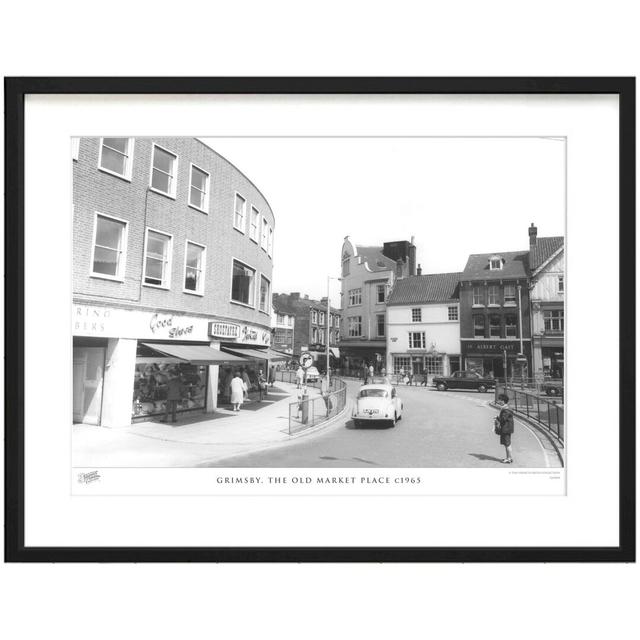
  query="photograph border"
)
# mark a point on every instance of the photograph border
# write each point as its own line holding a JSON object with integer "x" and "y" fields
{"x": 16, "y": 90}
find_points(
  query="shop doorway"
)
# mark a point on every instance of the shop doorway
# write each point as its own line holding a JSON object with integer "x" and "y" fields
{"x": 88, "y": 373}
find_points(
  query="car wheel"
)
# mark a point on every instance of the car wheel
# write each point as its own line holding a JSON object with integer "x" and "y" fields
{"x": 482, "y": 389}
{"x": 394, "y": 420}
{"x": 442, "y": 386}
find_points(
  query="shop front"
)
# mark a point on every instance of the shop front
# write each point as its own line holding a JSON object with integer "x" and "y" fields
{"x": 495, "y": 358}
{"x": 430, "y": 363}
{"x": 123, "y": 360}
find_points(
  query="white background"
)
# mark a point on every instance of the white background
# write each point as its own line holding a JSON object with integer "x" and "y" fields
{"x": 490, "y": 38}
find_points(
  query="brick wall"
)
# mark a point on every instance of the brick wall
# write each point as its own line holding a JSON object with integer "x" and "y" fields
{"x": 132, "y": 200}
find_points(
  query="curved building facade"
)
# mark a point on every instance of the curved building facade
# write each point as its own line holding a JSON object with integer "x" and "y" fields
{"x": 173, "y": 252}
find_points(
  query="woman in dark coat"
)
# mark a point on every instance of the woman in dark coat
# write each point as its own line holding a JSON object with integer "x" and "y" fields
{"x": 504, "y": 426}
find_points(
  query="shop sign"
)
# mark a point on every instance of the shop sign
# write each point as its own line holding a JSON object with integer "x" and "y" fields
{"x": 224, "y": 330}
{"x": 105, "y": 322}
{"x": 486, "y": 346}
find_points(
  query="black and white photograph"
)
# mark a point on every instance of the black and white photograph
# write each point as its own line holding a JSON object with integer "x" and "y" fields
{"x": 319, "y": 302}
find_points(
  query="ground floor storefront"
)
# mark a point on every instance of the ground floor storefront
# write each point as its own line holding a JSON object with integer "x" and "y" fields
{"x": 548, "y": 357}
{"x": 496, "y": 358}
{"x": 419, "y": 364}
{"x": 124, "y": 362}
{"x": 356, "y": 358}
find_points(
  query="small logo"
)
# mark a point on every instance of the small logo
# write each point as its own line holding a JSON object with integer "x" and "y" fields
{"x": 90, "y": 476}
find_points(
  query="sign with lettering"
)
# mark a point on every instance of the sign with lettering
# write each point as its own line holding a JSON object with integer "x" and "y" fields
{"x": 108, "y": 322}
{"x": 492, "y": 346}
{"x": 224, "y": 330}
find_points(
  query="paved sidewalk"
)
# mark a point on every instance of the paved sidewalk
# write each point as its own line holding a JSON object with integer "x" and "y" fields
{"x": 193, "y": 439}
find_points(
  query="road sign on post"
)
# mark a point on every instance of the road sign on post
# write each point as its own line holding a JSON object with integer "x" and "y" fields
{"x": 306, "y": 360}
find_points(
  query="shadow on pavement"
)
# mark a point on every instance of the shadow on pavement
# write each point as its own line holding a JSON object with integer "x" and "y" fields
{"x": 482, "y": 456}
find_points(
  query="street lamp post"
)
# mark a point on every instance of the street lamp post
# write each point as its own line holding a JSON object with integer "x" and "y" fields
{"x": 327, "y": 335}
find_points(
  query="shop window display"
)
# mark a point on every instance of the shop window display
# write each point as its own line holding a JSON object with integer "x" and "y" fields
{"x": 150, "y": 387}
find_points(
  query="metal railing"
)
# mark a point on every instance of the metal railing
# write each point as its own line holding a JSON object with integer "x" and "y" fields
{"x": 546, "y": 412}
{"x": 310, "y": 411}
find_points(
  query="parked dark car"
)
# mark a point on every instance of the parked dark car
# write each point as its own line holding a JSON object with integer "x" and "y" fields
{"x": 464, "y": 380}
{"x": 553, "y": 387}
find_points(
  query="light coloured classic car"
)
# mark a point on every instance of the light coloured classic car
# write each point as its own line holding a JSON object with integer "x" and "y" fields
{"x": 377, "y": 403}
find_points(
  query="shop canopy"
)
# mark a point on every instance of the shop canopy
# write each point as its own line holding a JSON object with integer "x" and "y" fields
{"x": 249, "y": 353}
{"x": 195, "y": 354}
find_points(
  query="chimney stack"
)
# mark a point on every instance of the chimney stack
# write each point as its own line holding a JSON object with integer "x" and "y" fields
{"x": 399, "y": 268}
{"x": 419, "y": 270}
{"x": 533, "y": 235}
{"x": 295, "y": 295}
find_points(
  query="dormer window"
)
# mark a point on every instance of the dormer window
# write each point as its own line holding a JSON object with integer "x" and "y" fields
{"x": 495, "y": 263}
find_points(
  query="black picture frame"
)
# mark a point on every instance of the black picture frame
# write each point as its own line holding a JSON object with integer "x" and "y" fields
{"x": 16, "y": 89}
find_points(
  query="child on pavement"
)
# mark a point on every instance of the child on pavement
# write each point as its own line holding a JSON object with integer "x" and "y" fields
{"x": 503, "y": 425}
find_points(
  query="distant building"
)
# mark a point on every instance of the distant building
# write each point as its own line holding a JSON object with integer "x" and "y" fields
{"x": 368, "y": 273}
{"x": 423, "y": 325}
{"x": 310, "y": 324}
{"x": 283, "y": 322}
{"x": 547, "y": 286}
{"x": 494, "y": 313}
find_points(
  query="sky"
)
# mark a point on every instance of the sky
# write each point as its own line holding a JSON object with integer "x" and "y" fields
{"x": 456, "y": 196}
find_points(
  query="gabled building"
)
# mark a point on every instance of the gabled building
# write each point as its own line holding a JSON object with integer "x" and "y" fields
{"x": 423, "y": 325}
{"x": 368, "y": 273}
{"x": 495, "y": 334}
{"x": 283, "y": 322}
{"x": 546, "y": 291}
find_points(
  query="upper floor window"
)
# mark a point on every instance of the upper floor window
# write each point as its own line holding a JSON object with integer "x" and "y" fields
{"x": 290, "y": 321}
{"x": 321, "y": 336}
{"x": 243, "y": 283}
{"x": 270, "y": 243}
{"x": 511, "y": 326}
{"x": 109, "y": 247}
{"x": 495, "y": 263}
{"x": 265, "y": 294}
{"x": 280, "y": 319}
{"x": 199, "y": 189}
{"x": 254, "y": 225}
{"x": 314, "y": 316}
{"x": 194, "y": 268}
{"x": 337, "y": 321}
{"x": 554, "y": 321}
{"x": 314, "y": 335}
{"x": 494, "y": 293}
{"x": 416, "y": 315}
{"x": 452, "y": 313}
{"x": 345, "y": 266}
{"x": 509, "y": 294}
{"x": 116, "y": 156}
{"x": 478, "y": 326}
{"x": 322, "y": 318}
{"x": 264, "y": 243}
{"x": 560, "y": 284}
{"x": 478, "y": 298}
{"x": 239, "y": 212}
{"x": 355, "y": 297}
{"x": 380, "y": 292}
{"x": 164, "y": 171}
{"x": 417, "y": 340}
{"x": 157, "y": 259}
{"x": 494, "y": 326}
{"x": 380, "y": 324}
{"x": 355, "y": 326}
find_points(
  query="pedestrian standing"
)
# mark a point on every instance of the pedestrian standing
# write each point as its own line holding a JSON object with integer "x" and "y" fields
{"x": 425, "y": 379}
{"x": 299, "y": 377}
{"x": 238, "y": 387}
{"x": 262, "y": 384}
{"x": 503, "y": 426}
{"x": 174, "y": 395}
{"x": 410, "y": 378}
{"x": 371, "y": 373}
{"x": 272, "y": 375}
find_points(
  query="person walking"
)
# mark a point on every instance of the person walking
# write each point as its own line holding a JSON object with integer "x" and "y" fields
{"x": 247, "y": 384}
{"x": 174, "y": 395}
{"x": 324, "y": 391}
{"x": 425, "y": 379}
{"x": 272, "y": 375}
{"x": 262, "y": 384}
{"x": 238, "y": 387}
{"x": 299, "y": 377}
{"x": 503, "y": 426}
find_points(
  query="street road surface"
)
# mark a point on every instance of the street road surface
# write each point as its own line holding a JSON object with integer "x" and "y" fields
{"x": 438, "y": 429}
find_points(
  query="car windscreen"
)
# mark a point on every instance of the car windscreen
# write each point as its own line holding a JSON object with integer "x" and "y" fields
{"x": 373, "y": 393}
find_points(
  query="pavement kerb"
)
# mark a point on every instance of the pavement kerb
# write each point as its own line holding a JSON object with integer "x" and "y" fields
{"x": 548, "y": 435}
{"x": 321, "y": 425}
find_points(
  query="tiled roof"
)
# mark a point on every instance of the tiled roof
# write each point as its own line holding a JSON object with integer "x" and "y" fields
{"x": 374, "y": 258}
{"x": 432, "y": 287}
{"x": 284, "y": 303}
{"x": 544, "y": 249}
{"x": 515, "y": 266}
